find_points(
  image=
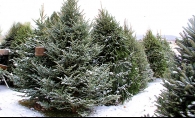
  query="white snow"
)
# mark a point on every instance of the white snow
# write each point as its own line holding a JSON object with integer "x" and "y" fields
{"x": 10, "y": 107}
{"x": 139, "y": 105}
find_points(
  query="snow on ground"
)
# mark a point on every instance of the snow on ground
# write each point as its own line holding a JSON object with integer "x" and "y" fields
{"x": 10, "y": 107}
{"x": 140, "y": 104}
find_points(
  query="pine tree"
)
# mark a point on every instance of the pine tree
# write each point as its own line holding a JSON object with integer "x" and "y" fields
{"x": 65, "y": 78}
{"x": 155, "y": 54}
{"x": 108, "y": 33}
{"x": 178, "y": 99}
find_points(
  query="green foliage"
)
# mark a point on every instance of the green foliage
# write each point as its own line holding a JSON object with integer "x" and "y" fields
{"x": 118, "y": 53}
{"x": 44, "y": 22}
{"x": 155, "y": 54}
{"x": 24, "y": 32}
{"x": 140, "y": 58}
{"x": 107, "y": 32}
{"x": 10, "y": 35}
{"x": 178, "y": 98}
{"x": 187, "y": 44}
{"x": 17, "y": 34}
{"x": 170, "y": 56}
{"x": 65, "y": 78}
{"x": 125, "y": 74}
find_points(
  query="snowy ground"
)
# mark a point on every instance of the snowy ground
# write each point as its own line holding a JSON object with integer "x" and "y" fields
{"x": 9, "y": 106}
{"x": 140, "y": 104}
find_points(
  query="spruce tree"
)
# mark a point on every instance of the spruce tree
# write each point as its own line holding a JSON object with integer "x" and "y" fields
{"x": 178, "y": 99}
{"x": 155, "y": 54}
{"x": 65, "y": 78}
{"x": 108, "y": 33}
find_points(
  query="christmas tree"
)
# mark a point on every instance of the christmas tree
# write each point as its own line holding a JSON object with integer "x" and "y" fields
{"x": 169, "y": 54}
{"x": 118, "y": 53}
{"x": 144, "y": 70}
{"x": 65, "y": 78}
{"x": 22, "y": 64}
{"x": 178, "y": 99}
{"x": 155, "y": 54}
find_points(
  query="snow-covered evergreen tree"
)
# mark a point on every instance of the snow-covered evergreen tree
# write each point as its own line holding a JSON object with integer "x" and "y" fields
{"x": 65, "y": 78}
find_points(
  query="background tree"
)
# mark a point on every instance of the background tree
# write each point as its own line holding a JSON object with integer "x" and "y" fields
{"x": 17, "y": 35}
{"x": 10, "y": 35}
{"x": 169, "y": 54}
{"x": 144, "y": 70}
{"x": 155, "y": 54}
{"x": 177, "y": 100}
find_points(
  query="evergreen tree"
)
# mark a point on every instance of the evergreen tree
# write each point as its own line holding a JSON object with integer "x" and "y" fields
{"x": 155, "y": 54}
{"x": 107, "y": 33}
{"x": 144, "y": 70}
{"x": 64, "y": 79}
{"x": 169, "y": 54}
{"x": 178, "y": 98}
{"x": 17, "y": 35}
{"x": 22, "y": 64}
{"x": 10, "y": 35}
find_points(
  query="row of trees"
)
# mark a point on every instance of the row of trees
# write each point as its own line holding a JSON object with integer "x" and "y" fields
{"x": 85, "y": 64}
